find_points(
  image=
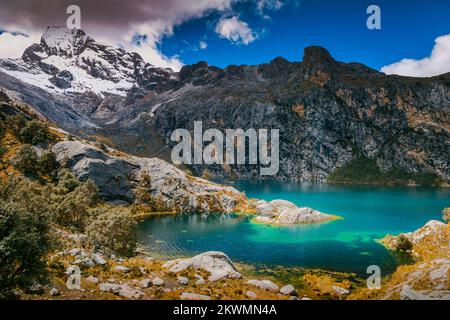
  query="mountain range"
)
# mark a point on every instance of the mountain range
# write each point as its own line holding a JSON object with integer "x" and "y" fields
{"x": 336, "y": 120}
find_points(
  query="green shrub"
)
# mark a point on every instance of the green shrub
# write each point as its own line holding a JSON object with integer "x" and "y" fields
{"x": 47, "y": 163}
{"x": 16, "y": 122}
{"x": 67, "y": 182}
{"x": 112, "y": 230}
{"x": 366, "y": 171}
{"x": 25, "y": 160}
{"x": 446, "y": 214}
{"x": 25, "y": 235}
{"x": 34, "y": 132}
{"x": 403, "y": 244}
{"x": 71, "y": 200}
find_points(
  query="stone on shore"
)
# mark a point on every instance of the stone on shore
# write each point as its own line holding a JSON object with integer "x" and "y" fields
{"x": 288, "y": 290}
{"x": 215, "y": 262}
{"x": 264, "y": 284}
{"x": 194, "y": 296}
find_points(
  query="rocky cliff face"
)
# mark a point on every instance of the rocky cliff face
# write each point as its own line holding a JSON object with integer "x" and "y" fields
{"x": 329, "y": 113}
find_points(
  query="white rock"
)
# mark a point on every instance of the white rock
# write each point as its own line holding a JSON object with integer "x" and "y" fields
{"x": 122, "y": 290}
{"x": 158, "y": 282}
{"x": 408, "y": 293}
{"x": 340, "y": 291}
{"x": 109, "y": 287}
{"x": 182, "y": 280}
{"x": 129, "y": 292}
{"x": 54, "y": 292}
{"x": 121, "y": 269}
{"x": 264, "y": 284}
{"x": 92, "y": 279}
{"x": 146, "y": 283}
{"x": 251, "y": 294}
{"x": 98, "y": 259}
{"x": 287, "y": 290}
{"x": 215, "y": 262}
{"x": 194, "y": 296}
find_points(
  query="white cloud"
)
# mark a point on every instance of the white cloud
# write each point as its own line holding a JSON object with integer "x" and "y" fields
{"x": 117, "y": 21}
{"x": 150, "y": 53}
{"x": 236, "y": 31}
{"x": 202, "y": 45}
{"x": 263, "y": 5}
{"x": 437, "y": 63}
{"x": 13, "y": 46}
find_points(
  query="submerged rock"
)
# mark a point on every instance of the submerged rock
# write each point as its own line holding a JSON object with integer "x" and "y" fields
{"x": 215, "y": 262}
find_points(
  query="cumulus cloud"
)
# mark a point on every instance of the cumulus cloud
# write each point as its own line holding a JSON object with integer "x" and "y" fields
{"x": 437, "y": 63}
{"x": 13, "y": 45}
{"x": 116, "y": 21}
{"x": 202, "y": 45}
{"x": 236, "y": 31}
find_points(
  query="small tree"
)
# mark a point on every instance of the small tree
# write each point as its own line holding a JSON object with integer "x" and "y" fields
{"x": 34, "y": 132}
{"x": 71, "y": 201}
{"x": 25, "y": 160}
{"x": 25, "y": 235}
{"x": 403, "y": 243}
{"x": 47, "y": 163}
{"x": 113, "y": 230}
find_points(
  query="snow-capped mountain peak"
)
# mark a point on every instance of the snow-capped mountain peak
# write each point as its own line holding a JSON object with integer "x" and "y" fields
{"x": 69, "y": 61}
{"x": 64, "y": 42}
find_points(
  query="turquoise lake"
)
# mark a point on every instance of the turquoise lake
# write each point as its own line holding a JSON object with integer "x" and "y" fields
{"x": 347, "y": 245}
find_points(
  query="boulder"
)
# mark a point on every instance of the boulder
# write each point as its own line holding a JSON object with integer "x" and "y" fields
{"x": 122, "y": 269}
{"x": 340, "y": 291}
{"x": 408, "y": 293}
{"x": 264, "y": 284}
{"x": 288, "y": 290}
{"x": 121, "y": 289}
{"x": 54, "y": 292}
{"x": 182, "y": 280}
{"x": 194, "y": 296}
{"x": 98, "y": 259}
{"x": 215, "y": 262}
{"x": 146, "y": 283}
{"x": 158, "y": 282}
{"x": 286, "y": 212}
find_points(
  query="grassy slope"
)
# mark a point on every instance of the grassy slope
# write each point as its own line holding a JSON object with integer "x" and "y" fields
{"x": 366, "y": 171}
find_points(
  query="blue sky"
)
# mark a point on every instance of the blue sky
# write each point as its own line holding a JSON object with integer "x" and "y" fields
{"x": 409, "y": 29}
{"x": 248, "y": 31}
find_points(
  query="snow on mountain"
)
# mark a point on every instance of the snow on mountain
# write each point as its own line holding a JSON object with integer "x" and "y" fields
{"x": 69, "y": 61}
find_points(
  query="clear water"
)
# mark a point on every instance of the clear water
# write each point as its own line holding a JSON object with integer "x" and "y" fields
{"x": 347, "y": 245}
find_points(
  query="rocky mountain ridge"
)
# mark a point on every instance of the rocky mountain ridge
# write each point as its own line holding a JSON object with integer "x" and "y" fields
{"x": 329, "y": 113}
